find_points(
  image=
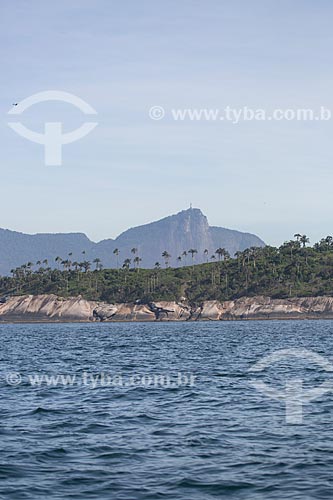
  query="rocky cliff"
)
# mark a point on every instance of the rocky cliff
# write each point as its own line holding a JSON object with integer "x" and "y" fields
{"x": 50, "y": 308}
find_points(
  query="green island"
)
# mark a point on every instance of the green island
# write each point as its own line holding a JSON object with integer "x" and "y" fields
{"x": 294, "y": 269}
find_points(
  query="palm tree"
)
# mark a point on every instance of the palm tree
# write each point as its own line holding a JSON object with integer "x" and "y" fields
{"x": 116, "y": 253}
{"x": 238, "y": 255}
{"x": 304, "y": 240}
{"x": 297, "y": 236}
{"x": 28, "y": 267}
{"x": 45, "y": 262}
{"x": 192, "y": 251}
{"x": 291, "y": 245}
{"x": 157, "y": 265}
{"x": 77, "y": 267}
{"x": 220, "y": 252}
{"x": 97, "y": 261}
{"x": 134, "y": 251}
{"x": 86, "y": 265}
{"x": 254, "y": 253}
{"x": 126, "y": 264}
{"x": 206, "y": 254}
{"x": 166, "y": 256}
{"x": 137, "y": 261}
{"x": 179, "y": 259}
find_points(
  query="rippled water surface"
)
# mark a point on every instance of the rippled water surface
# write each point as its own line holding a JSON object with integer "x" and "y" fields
{"x": 216, "y": 438}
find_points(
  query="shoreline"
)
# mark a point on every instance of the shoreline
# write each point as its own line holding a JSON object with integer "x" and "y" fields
{"x": 48, "y": 309}
{"x": 117, "y": 321}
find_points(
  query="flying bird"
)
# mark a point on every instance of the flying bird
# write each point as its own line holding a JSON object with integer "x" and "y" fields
{"x": 15, "y": 104}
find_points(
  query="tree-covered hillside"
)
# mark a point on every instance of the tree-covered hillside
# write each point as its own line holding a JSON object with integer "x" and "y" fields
{"x": 293, "y": 269}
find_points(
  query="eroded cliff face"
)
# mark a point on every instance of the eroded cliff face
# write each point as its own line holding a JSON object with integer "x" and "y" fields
{"x": 50, "y": 308}
{"x": 154, "y": 311}
{"x": 46, "y": 308}
{"x": 267, "y": 308}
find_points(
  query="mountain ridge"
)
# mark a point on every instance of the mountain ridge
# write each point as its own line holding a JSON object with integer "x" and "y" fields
{"x": 175, "y": 233}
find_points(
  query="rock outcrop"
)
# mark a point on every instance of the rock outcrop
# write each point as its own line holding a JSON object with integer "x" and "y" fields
{"x": 154, "y": 311}
{"x": 266, "y": 308}
{"x": 50, "y": 308}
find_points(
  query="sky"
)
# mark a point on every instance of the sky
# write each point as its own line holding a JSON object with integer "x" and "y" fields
{"x": 271, "y": 178}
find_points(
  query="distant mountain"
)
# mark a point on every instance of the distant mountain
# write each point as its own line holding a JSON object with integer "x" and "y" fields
{"x": 176, "y": 233}
{"x": 19, "y": 248}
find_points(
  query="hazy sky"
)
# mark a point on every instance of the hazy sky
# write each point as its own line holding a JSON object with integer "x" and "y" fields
{"x": 122, "y": 57}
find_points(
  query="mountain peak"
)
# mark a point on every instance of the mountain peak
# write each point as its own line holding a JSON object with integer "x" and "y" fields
{"x": 192, "y": 215}
{"x": 191, "y": 211}
{"x": 176, "y": 234}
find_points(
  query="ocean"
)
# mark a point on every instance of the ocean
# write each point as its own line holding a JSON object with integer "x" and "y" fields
{"x": 179, "y": 411}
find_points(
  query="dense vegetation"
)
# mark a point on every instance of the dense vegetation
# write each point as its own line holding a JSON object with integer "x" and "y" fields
{"x": 293, "y": 269}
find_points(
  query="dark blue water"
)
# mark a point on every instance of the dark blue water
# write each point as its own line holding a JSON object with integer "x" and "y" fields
{"x": 218, "y": 438}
